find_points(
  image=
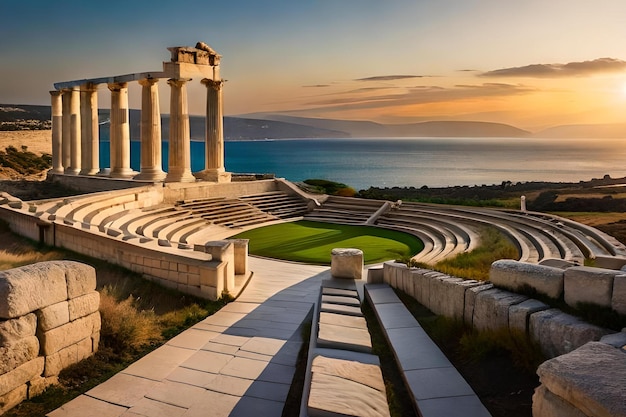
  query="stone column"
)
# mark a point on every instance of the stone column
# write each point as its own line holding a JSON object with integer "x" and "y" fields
{"x": 90, "y": 156}
{"x": 75, "y": 130}
{"x": 57, "y": 131}
{"x": 66, "y": 149}
{"x": 151, "y": 165}
{"x": 214, "y": 134}
{"x": 179, "y": 161}
{"x": 120, "y": 132}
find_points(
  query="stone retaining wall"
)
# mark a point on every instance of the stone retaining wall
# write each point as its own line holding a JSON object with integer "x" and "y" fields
{"x": 49, "y": 320}
{"x": 584, "y": 378}
{"x": 193, "y": 272}
{"x": 575, "y": 284}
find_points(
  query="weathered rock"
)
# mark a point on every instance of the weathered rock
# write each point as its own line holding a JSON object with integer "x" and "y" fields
{"x": 84, "y": 305}
{"x": 546, "y": 404}
{"x": 38, "y": 385}
{"x": 346, "y": 388}
{"x": 470, "y": 301}
{"x": 81, "y": 278}
{"x": 13, "y": 398}
{"x": 70, "y": 355}
{"x": 514, "y": 275}
{"x": 21, "y": 375}
{"x": 519, "y": 314}
{"x": 590, "y": 378}
{"x": 18, "y": 328}
{"x": 618, "y": 302}
{"x": 491, "y": 308}
{"x": 558, "y": 333}
{"x": 61, "y": 337}
{"x": 30, "y": 288}
{"x": 617, "y": 340}
{"x": 557, "y": 263}
{"x": 584, "y": 284}
{"x": 346, "y": 263}
{"x": 53, "y": 316}
{"x": 17, "y": 353}
{"x": 447, "y": 296}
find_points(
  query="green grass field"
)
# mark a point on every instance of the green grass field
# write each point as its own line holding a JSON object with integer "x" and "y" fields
{"x": 312, "y": 242}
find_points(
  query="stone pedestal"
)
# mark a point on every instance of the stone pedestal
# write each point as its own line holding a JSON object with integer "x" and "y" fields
{"x": 346, "y": 263}
{"x": 179, "y": 161}
{"x": 151, "y": 165}
{"x": 57, "y": 131}
{"x": 90, "y": 153}
{"x": 120, "y": 132}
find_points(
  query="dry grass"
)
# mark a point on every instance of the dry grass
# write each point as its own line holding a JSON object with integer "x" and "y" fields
{"x": 593, "y": 218}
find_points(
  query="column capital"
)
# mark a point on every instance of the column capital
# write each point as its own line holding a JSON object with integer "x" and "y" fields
{"x": 178, "y": 82}
{"x": 214, "y": 84}
{"x": 90, "y": 87}
{"x": 147, "y": 82}
{"x": 56, "y": 93}
{"x": 117, "y": 86}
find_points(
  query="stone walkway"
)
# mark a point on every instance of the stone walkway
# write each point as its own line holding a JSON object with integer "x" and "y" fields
{"x": 237, "y": 362}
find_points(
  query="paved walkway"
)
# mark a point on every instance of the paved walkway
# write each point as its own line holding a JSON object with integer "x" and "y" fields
{"x": 237, "y": 362}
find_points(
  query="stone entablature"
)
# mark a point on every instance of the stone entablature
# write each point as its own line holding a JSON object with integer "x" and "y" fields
{"x": 75, "y": 121}
{"x": 49, "y": 320}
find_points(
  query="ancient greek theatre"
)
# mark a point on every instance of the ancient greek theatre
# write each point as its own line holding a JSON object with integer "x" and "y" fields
{"x": 75, "y": 138}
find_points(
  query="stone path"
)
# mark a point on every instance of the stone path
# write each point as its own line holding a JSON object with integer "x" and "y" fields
{"x": 237, "y": 362}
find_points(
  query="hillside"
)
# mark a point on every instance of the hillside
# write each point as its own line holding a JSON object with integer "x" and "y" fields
{"x": 597, "y": 131}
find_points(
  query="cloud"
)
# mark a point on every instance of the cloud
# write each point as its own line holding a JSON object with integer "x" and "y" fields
{"x": 316, "y": 86}
{"x": 389, "y": 77}
{"x": 423, "y": 95}
{"x": 571, "y": 69}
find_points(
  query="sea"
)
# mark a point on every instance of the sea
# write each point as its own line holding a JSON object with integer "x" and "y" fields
{"x": 414, "y": 162}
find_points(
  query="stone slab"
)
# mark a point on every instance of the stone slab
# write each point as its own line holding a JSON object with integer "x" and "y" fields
{"x": 342, "y": 320}
{"x": 175, "y": 393}
{"x": 491, "y": 308}
{"x": 513, "y": 275}
{"x": 414, "y": 349}
{"x": 160, "y": 363}
{"x": 466, "y": 406}
{"x": 244, "y": 368}
{"x": 437, "y": 383}
{"x": 395, "y": 316}
{"x": 193, "y": 338}
{"x": 584, "y": 284}
{"x": 340, "y": 337}
{"x": 618, "y": 302}
{"x": 381, "y": 294}
{"x": 53, "y": 316}
{"x": 336, "y": 299}
{"x": 87, "y": 406}
{"x": 123, "y": 389}
{"x": 519, "y": 314}
{"x": 588, "y": 378}
{"x": 251, "y": 406}
{"x": 340, "y": 292}
{"x": 18, "y": 328}
{"x": 341, "y": 309}
{"x": 546, "y": 403}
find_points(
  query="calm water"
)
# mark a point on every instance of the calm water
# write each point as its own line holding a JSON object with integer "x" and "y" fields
{"x": 416, "y": 161}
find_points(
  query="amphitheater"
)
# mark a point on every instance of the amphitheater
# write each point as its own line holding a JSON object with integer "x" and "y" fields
{"x": 176, "y": 229}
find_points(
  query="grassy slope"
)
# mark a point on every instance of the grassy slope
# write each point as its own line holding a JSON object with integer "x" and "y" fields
{"x": 312, "y": 242}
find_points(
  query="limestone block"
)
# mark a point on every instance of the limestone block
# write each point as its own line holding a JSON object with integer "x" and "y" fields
{"x": 38, "y": 385}
{"x": 441, "y": 293}
{"x": 53, "y": 316}
{"x": 31, "y": 287}
{"x": 557, "y": 263}
{"x": 84, "y": 305}
{"x": 558, "y": 333}
{"x": 342, "y": 387}
{"x": 618, "y": 302}
{"x": 584, "y": 284}
{"x": 470, "y": 301}
{"x": 491, "y": 308}
{"x": 20, "y": 375}
{"x": 375, "y": 276}
{"x": 65, "y": 357}
{"x": 546, "y": 404}
{"x": 513, "y": 275}
{"x": 421, "y": 285}
{"x": 18, "y": 352}
{"x": 18, "y": 328}
{"x": 519, "y": 314}
{"x": 241, "y": 255}
{"x": 406, "y": 284}
{"x": 346, "y": 263}
{"x": 610, "y": 262}
{"x": 60, "y": 337}
{"x": 590, "y": 378}
{"x": 13, "y": 398}
{"x": 617, "y": 340}
{"x": 389, "y": 271}
{"x": 81, "y": 278}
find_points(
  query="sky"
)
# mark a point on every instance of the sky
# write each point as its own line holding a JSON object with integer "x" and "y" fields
{"x": 529, "y": 63}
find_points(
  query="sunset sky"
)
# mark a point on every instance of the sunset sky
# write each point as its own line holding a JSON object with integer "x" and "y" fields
{"x": 529, "y": 63}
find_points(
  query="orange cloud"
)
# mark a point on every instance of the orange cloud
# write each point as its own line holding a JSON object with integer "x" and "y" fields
{"x": 571, "y": 69}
